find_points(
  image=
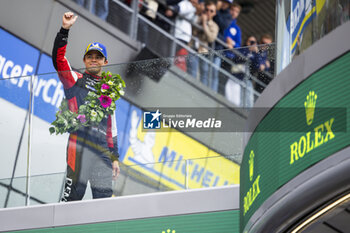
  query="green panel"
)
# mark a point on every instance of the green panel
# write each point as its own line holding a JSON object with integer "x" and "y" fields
{"x": 224, "y": 221}
{"x": 284, "y": 144}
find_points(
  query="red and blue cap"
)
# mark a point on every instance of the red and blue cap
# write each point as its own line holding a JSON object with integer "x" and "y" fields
{"x": 98, "y": 47}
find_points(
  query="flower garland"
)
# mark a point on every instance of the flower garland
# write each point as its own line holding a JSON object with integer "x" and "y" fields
{"x": 98, "y": 104}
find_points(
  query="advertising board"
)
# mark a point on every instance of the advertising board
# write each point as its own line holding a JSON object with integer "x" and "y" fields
{"x": 306, "y": 126}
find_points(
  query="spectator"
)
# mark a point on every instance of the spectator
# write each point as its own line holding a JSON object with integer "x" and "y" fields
{"x": 205, "y": 36}
{"x": 97, "y": 7}
{"x": 223, "y": 20}
{"x": 199, "y": 5}
{"x": 149, "y": 10}
{"x": 267, "y": 65}
{"x": 251, "y": 52}
{"x": 162, "y": 8}
{"x": 232, "y": 34}
{"x": 232, "y": 37}
{"x": 184, "y": 12}
{"x": 265, "y": 40}
{"x": 232, "y": 89}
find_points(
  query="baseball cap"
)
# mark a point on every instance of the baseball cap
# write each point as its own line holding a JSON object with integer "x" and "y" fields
{"x": 229, "y": 1}
{"x": 98, "y": 47}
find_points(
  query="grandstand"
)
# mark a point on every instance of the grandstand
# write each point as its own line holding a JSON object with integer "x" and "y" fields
{"x": 214, "y": 163}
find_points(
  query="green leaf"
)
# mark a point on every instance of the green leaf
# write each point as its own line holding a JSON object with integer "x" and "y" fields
{"x": 66, "y": 120}
{"x": 82, "y": 108}
{"x": 100, "y": 113}
{"x": 60, "y": 121}
{"x": 52, "y": 130}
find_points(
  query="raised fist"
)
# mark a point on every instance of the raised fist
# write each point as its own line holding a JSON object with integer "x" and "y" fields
{"x": 68, "y": 20}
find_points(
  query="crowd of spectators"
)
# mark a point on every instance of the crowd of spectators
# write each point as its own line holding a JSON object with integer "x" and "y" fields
{"x": 212, "y": 20}
{"x": 204, "y": 24}
{"x": 202, "y": 37}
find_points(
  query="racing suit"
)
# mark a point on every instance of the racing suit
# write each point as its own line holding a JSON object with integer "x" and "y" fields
{"x": 91, "y": 150}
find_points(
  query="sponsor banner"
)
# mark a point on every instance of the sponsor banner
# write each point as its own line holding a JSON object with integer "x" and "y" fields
{"x": 143, "y": 149}
{"x": 272, "y": 159}
{"x": 17, "y": 59}
{"x": 131, "y": 125}
{"x": 48, "y": 90}
{"x": 281, "y": 117}
{"x": 122, "y": 118}
{"x": 182, "y": 165}
{"x": 18, "y": 64}
{"x": 227, "y": 170}
{"x": 319, "y": 5}
{"x": 302, "y": 12}
{"x": 174, "y": 159}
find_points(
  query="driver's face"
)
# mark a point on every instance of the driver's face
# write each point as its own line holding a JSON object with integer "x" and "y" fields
{"x": 94, "y": 61}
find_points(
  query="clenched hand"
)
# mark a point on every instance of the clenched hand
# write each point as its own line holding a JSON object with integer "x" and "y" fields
{"x": 68, "y": 20}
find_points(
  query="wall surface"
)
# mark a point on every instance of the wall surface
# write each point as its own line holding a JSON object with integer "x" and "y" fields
{"x": 165, "y": 208}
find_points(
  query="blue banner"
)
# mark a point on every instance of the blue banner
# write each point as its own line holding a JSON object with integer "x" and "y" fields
{"x": 122, "y": 117}
{"x": 48, "y": 90}
{"x": 302, "y": 12}
{"x": 132, "y": 118}
{"x": 17, "y": 59}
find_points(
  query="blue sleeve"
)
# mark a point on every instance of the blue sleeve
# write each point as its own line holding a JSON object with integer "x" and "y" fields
{"x": 238, "y": 38}
{"x": 227, "y": 33}
{"x": 256, "y": 60}
{"x": 262, "y": 60}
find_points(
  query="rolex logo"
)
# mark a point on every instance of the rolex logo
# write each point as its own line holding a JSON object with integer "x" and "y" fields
{"x": 251, "y": 165}
{"x": 169, "y": 231}
{"x": 254, "y": 189}
{"x": 310, "y": 104}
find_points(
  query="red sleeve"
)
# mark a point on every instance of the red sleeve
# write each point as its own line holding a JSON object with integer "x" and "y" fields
{"x": 67, "y": 76}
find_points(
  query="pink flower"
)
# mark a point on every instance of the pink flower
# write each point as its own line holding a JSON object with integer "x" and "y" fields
{"x": 104, "y": 86}
{"x": 110, "y": 75}
{"x": 105, "y": 101}
{"x": 81, "y": 118}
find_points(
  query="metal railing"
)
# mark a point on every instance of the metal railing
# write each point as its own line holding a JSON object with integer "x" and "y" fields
{"x": 135, "y": 24}
{"x": 34, "y": 165}
{"x": 165, "y": 180}
{"x": 175, "y": 42}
